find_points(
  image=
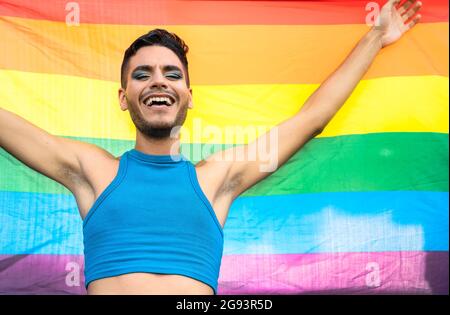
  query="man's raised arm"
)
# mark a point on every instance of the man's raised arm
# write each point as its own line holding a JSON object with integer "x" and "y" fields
{"x": 55, "y": 157}
{"x": 292, "y": 134}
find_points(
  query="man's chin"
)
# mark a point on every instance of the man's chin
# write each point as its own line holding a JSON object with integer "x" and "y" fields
{"x": 160, "y": 125}
{"x": 159, "y": 130}
{"x": 163, "y": 127}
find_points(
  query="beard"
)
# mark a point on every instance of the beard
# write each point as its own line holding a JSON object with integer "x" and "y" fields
{"x": 157, "y": 130}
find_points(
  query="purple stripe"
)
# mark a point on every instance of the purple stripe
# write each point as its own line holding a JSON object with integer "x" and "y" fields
{"x": 41, "y": 274}
{"x": 338, "y": 273}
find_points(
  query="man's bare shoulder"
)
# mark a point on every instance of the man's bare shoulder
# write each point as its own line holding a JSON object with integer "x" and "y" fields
{"x": 212, "y": 171}
{"x": 98, "y": 167}
{"x": 215, "y": 172}
{"x": 88, "y": 153}
{"x": 95, "y": 163}
{"x": 212, "y": 174}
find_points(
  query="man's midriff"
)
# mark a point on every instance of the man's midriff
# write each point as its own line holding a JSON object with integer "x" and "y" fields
{"x": 149, "y": 283}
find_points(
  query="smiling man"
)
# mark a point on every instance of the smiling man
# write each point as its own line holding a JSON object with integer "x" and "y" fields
{"x": 152, "y": 221}
{"x": 165, "y": 105}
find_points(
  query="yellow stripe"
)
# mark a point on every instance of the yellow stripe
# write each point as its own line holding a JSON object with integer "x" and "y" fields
{"x": 220, "y": 54}
{"x": 81, "y": 107}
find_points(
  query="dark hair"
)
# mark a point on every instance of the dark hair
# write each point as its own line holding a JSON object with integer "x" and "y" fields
{"x": 157, "y": 37}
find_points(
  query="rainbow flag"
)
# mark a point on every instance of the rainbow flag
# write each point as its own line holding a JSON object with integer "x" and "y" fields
{"x": 361, "y": 209}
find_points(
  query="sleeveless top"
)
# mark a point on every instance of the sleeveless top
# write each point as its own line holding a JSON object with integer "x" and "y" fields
{"x": 153, "y": 217}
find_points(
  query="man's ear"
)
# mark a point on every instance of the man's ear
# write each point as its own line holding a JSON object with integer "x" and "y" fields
{"x": 191, "y": 102}
{"x": 123, "y": 99}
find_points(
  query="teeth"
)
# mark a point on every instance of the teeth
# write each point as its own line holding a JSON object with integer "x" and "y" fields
{"x": 158, "y": 99}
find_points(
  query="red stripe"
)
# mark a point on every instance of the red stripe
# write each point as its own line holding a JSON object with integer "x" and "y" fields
{"x": 176, "y": 12}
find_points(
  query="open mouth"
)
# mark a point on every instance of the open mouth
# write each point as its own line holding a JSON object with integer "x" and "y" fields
{"x": 159, "y": 101}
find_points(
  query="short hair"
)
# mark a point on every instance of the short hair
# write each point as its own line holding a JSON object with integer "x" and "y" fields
{"x": 157, "y": 37}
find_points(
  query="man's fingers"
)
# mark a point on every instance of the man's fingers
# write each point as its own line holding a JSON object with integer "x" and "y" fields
{"x": 413, "y": 22}
{"x": 394, "y": 2}
{"x": 412, "y": 11}
{"x": 405, "y": 6}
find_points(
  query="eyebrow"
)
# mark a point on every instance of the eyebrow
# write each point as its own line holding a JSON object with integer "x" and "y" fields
{"x": 150, "y": 68}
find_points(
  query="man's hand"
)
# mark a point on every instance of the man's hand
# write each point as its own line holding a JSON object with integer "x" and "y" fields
{"x": 235, "y": 177}
{"x": 395, "y": 20}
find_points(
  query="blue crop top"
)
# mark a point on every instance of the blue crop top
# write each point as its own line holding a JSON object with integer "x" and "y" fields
{"x": 153, "y": 217}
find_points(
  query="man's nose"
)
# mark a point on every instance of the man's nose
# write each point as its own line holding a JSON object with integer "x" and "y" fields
{"x": 158, "y": 80}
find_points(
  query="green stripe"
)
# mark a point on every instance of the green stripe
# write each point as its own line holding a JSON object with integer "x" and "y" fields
{"x": 370, "y": 162}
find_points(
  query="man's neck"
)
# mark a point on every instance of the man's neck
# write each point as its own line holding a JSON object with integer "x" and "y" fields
{"x": 155, "y": 146}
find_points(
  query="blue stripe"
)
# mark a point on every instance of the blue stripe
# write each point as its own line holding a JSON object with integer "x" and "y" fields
{"x": 338, "y": 222}
{"x": 36, "y": 223}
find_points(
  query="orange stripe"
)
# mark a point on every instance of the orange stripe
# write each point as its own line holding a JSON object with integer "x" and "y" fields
{"x": 144, "y": 12}
{"x": 220, "y": 54}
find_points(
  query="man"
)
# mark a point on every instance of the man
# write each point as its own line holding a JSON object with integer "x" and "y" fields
{"x": 152, "y": 220}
